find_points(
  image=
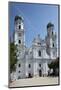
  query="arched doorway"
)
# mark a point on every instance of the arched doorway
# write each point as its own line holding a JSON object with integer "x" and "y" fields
{"x": 29, "y": 75}
{"x": 40, "y": 73}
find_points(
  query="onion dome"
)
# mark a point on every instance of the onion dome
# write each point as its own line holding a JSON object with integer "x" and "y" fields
{"x": 50, "y": 25}
{"x": 18, "y": 18}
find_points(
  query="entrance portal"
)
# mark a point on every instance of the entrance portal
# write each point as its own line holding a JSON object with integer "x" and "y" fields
{"x": 40, "y": 73}
{"x": 29, "y": 75}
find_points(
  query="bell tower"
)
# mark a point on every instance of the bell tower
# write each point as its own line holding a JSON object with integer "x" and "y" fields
{"x": 19, "y": 40}
{"x": 19, "y": 31}
{"x": 51, "y": 40}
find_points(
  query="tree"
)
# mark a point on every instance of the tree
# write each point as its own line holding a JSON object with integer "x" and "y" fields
{"x": 13, "y": 57}
{"x": 54, "y": 65}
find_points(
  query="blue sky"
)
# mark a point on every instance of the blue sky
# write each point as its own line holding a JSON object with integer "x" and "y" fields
{"x": 36, "y": 17}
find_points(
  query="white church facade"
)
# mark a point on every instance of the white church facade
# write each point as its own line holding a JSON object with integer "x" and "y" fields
{"x": 33, "y": 61}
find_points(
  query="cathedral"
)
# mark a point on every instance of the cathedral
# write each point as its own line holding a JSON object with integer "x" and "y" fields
{"x": 33, "y": 61}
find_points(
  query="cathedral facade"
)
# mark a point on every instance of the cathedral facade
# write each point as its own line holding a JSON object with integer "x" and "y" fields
{"x": 33, "y": 61}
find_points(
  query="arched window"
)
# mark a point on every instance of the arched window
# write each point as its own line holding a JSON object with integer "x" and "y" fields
{"x": 19, "y": 26}
{"x": 53, "y": 44}
{"x": 18, "y": 71}
{"x": 19, "y": 41}
{"x": 39, "y": 53}
{"x": 52, "y": 32}
{"x": 29, "y": 66}
{"x": 39, "y": 65}
{"x": 19, "y": 65}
